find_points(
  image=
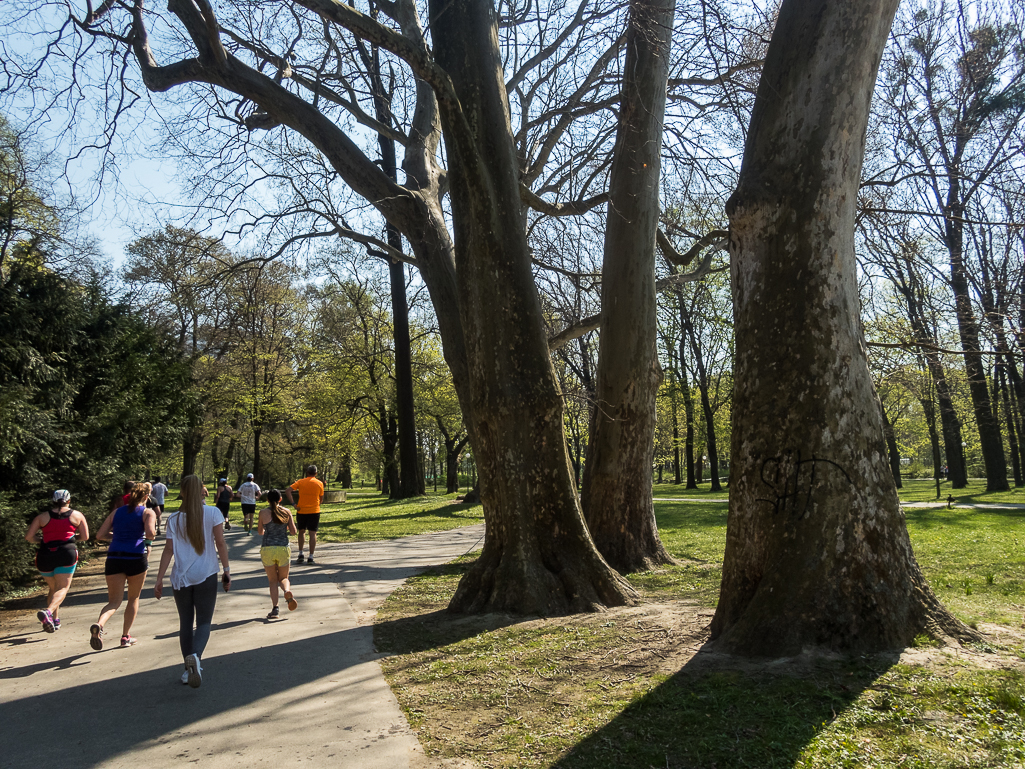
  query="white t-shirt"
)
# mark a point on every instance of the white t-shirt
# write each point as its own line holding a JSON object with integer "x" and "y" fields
{"x": 248, "y": 492}
{"x": 191, "y": 568}
{"x": 158, "y": 492}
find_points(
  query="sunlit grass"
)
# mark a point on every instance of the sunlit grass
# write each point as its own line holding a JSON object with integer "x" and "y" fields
{"x": 586, "y": 692}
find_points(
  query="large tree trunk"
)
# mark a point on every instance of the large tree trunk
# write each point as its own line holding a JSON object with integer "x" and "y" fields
{"x": 616, "y": 494}
{"x": 990, "y": 440}
{"x": 191, "y": 449}
{"x": 538, "y": 556}
{"x": 929, "y": 410}
{"x": 817, "y": 551}
{"x": 1012, "y": 434}
{"x": 409, "y": 484}
{"x": 688, "y": 399}
{"x": 711, "y": 444}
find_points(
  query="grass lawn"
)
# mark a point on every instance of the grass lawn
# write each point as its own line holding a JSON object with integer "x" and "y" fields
{"x": 925, "y": 491}
{"x": 625, "y": 689}
{"x": 366, "y": 515}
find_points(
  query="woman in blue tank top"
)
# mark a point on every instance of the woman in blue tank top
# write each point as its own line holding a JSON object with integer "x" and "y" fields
{"x": 130, "y": 530}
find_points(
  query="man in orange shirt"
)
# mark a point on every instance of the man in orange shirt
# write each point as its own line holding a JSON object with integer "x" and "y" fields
{"x": 311, "y": 494}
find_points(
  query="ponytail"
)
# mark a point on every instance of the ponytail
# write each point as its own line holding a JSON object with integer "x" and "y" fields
{"x": 279, "y": 514}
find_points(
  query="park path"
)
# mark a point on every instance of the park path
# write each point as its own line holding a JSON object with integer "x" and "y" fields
{"x": 306, "y": 689}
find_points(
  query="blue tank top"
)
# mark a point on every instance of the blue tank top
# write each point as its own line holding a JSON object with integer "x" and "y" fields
{"x": 128, "y": 530}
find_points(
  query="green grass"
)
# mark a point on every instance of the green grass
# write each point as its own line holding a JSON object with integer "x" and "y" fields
{"x": 704, "y": 490}
{"x": 619, "y": 690}
{"x": 366, "y": 515}
{"x": 975, "y": 492}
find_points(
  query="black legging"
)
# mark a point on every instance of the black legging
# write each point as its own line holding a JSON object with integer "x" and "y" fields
{"x": 195, "y": 612}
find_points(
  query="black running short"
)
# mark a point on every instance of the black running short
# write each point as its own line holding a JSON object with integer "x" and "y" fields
{"x": 307, "y": 521}
{"x": 248, "y": 509}
{"x": 128, "y": 564}
{"x": 56, "y": 555}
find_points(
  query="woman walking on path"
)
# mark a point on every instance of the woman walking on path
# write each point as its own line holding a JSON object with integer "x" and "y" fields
{"x": 130, "y": 530}
{"x": 195, "y": 539}
{"x": 275, "y": 524}
{"x": 223, "y": 501}
{"x": 57, "y": 557}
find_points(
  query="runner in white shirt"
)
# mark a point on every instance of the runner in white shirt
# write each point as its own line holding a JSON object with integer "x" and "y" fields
{"x": 159, "y": 494}
{"x": 248, "y": 493}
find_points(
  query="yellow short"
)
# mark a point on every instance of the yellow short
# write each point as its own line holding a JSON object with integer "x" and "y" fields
{"x": 279, "y": 555}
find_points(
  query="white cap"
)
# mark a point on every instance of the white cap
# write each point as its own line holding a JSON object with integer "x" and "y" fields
{"x": 61, "y": 495}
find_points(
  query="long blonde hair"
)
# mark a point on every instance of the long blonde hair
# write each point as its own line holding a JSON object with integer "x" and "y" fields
{"x": 192, "y": 509}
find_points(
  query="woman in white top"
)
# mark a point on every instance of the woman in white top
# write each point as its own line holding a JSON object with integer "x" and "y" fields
{"x": 195, "y": 539}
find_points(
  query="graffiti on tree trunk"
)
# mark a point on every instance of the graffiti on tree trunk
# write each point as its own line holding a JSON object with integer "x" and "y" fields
{"x": 791, "y": 481}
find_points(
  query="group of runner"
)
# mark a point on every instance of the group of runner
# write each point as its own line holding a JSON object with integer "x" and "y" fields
{"x": 194, "y": 541}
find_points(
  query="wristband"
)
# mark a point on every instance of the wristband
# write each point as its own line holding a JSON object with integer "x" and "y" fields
{"x": 148, "y": 542}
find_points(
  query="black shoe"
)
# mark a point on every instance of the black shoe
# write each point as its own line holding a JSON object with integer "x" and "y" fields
{"x": 273, "y": 613}
{"x": 300, "y": 559}
{"x": 310, "y": 560}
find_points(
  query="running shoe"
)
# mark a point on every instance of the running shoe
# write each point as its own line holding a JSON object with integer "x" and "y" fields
{"x": 310, "y": 560}
{"x": 300, "y": 559}
{"x": 273, "y": 613}
{"x": 227, "y": 526}
{"x": 56, "y": 624}
{"x": 126, "y": 641}
{"x": 185, "y": 676}
{"x": 193, "y": 671}
{"x": 44, "y": 616}
{"x": 95, "y": 637}
{"x": 292, "y": 603}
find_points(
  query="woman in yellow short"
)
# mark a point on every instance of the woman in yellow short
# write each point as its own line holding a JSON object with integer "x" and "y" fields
{"x": 275, "y": 524}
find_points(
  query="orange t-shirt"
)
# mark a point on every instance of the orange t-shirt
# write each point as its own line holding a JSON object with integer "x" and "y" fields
{"x": 310, "y": 491}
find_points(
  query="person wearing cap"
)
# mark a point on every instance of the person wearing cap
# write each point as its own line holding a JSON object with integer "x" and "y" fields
{"x": 55, "y": 532}
{"x": 248, "y": 493}
{"x": 223, "y": 501}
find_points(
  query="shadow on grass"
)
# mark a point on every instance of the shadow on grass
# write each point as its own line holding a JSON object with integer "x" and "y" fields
{"x": 453, "y": 512}
{"x": 925, "y": 517}
{"x": 431, "y": 628}
{"x": 716, "y": 712}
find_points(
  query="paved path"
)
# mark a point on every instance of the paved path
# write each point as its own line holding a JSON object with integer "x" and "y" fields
{"x": 304, "y": 690}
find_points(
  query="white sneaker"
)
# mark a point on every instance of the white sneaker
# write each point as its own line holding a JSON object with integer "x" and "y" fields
{"x": 193, "y": 671}
{"x": 185, "y": 676}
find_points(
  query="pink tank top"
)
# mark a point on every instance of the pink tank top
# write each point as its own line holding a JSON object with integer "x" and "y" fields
{"x": 59, "y": 528}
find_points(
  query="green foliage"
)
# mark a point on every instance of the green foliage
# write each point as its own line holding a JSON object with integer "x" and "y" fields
{"x": 87, "y": 390}
{"x": 15, "y": 552}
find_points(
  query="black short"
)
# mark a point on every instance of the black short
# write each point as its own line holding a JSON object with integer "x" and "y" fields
{"x": 248, "y": 509}
{"x": 224, "y": 509}
{"x": 307, "y": 521}
{"x": 128, "y": 564}
{"x": 50, "y": 557}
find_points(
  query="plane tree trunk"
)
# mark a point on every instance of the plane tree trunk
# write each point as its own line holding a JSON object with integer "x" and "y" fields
{"x": 817, "y": 550}
{"x": 538, "y": 557}
{"x": 616, "y": 494}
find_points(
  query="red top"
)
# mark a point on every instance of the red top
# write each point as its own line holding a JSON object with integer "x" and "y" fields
{"x": 59, "y": 528}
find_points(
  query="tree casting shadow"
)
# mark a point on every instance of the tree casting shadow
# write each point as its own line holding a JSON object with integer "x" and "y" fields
{"x": 723, "y": 712}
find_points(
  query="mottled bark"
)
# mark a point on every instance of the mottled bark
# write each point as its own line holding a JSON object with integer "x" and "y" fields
{"x": 538, "y": 556}
{"x": 616, "y": 494}
{"x": 817, "y": 551}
